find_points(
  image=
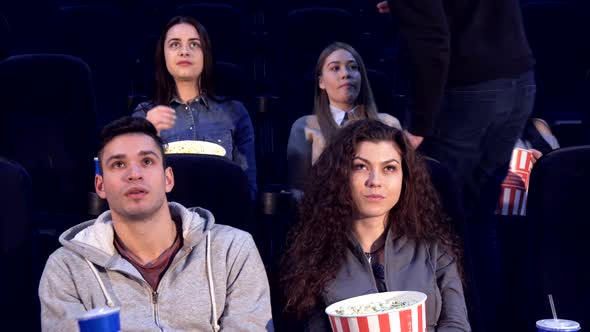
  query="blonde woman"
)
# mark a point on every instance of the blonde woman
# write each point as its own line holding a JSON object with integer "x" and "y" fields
{"x": 342, "y": 94}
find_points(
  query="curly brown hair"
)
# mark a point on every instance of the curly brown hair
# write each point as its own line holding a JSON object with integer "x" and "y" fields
{"x": 316, "y": 243}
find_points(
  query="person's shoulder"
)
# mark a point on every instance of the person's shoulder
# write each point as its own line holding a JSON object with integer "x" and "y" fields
{"x": 63, "y": 256}
{"x": 229, "y": 233}
{"x": 412, "y": 245}
{"x": 440, "y": 252}
{"x": 389, "y": 120}
{"x": 232, "y": 107}
{"x": 231, "y": 238}
{"x": 225, "y": 103}
{"x": 306, "y": 121}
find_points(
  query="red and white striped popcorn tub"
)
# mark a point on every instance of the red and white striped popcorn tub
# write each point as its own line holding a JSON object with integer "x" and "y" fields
{"x": 411, "y": 318}
{"x": 515, "y": 186}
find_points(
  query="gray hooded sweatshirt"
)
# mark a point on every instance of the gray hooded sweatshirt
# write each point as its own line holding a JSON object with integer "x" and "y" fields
{"x": 409, "y": 265}
{"x": 215, "y": 281}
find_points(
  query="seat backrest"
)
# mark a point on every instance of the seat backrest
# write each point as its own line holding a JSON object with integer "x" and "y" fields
{"x": 557, "y": 218}
{"x": 382, "y": 88}
{"x": 310, "y": 30}
{"x": 231, "y": 82}
{"x": 4, "y": 37}
{"x": 214, "y": 183}
{"x": 99, "y": 36}
{"x": 47, "y": 124}
{"x": 15, "y": 204}
{"x": 16, "y": 248}
{"x": 555, "y": 31}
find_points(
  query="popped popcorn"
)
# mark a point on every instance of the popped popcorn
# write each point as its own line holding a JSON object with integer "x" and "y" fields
{"x": 372, "y": 307}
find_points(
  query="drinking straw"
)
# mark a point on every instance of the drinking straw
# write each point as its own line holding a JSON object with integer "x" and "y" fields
{"x": 552, "y": 307}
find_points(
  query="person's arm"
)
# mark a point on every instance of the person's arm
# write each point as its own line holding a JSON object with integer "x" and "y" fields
{"x": 60, "y": 303}
{"x": 247, "y": 304}
{"x": 422, "y": 24}
{"x": 245, "y": 155}
{"x": 162, "y": 117}
{"x": 453, "y": 316}
{"x": 298, "y": 155}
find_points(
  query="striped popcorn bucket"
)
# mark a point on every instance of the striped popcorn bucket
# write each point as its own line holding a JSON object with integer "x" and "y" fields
{"x": 410, "y": 318}
{"x": 513, "y": 196}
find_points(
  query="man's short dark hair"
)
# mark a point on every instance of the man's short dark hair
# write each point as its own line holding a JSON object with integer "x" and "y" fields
{"x": 129, "y": 125}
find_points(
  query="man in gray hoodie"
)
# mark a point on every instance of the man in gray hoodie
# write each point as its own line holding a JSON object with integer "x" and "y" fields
{"x": 167, "y": 267}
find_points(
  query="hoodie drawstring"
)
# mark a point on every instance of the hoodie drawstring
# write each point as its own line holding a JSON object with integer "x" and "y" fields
{"x": 210, "y": 280}
{"x": 110, "y": 302}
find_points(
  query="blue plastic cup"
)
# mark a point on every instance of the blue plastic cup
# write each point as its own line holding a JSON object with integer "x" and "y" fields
{"x": 560, "y": 325}
{"x": 100, "y": 320}
{"x": 96, "y": 166}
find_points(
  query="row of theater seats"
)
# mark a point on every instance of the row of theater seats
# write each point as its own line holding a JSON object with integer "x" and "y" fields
{"x": 533, "y": 256}
{"x": 270, "y": 46}
{"x": 518, "y": 261}
{"x": 118, "y": 42}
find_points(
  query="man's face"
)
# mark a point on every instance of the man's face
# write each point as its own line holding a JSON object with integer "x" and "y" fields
{"x": 133, "y": 180}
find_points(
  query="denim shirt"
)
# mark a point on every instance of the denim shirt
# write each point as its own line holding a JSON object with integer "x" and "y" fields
{"x": 225, "y": 122}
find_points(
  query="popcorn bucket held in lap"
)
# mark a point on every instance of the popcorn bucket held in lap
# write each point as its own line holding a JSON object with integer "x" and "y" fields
{"x": 403, "y": 311}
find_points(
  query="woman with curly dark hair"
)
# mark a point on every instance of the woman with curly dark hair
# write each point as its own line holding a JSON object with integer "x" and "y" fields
{"x": 370, "y": 221}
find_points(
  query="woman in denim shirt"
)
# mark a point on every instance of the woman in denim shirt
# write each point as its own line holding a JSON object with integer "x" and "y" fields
{"x": 185, "y": 107}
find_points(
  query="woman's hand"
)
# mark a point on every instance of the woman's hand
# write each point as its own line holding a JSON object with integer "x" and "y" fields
{"x": 414, "y": 140}
{"x": 536, "y": 155}
{"x": 383, "y": 7}
{"x": 162, "y": 117}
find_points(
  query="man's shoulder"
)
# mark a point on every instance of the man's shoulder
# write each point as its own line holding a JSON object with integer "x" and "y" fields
{"x": 229, "y": 233}
{"x": 229, "y": 241}
{"x": 63, "y": 257}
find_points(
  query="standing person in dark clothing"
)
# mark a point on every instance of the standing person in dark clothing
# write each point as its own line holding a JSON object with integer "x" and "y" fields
{"x": 473, "y": 84}
{"x": 473, "y": 91}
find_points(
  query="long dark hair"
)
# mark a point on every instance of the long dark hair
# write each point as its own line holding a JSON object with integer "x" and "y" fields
{"x": 318, "y": 240}
{"x": 164, "y": 85}
{"x": 366, "y": 108}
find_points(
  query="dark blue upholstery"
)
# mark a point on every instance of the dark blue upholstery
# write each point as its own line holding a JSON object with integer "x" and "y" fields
{"x": 310, "y": 30}
{"x": 4, "y": 37}
{"x": 557, "y": 31}
{"x": 214, "y": 183}
{"x": 99, "y": 36}
{"x": 47, "y": 124}
{"x": 557, "y": 221}
{"x": 17, "y": 252}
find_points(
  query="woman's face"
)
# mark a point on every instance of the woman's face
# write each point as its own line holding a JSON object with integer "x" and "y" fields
{"x": 376, "y": 178}
{"x": 183, "y": 53}
{"x": 341, "y": 79}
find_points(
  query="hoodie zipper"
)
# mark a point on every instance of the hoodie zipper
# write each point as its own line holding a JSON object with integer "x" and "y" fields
{"x": 156, "y": 293}
{"x": 367, "y": 262}
{"x": 369, "y": 268}
{"x": 155, "y": 308}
